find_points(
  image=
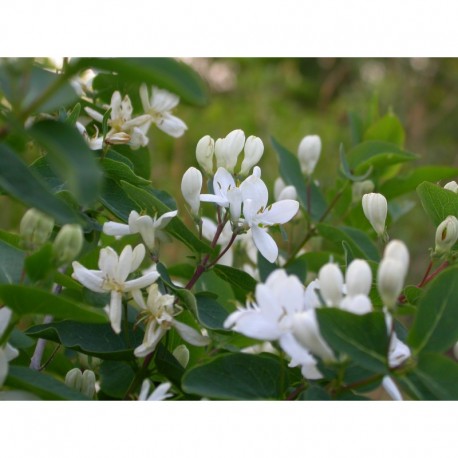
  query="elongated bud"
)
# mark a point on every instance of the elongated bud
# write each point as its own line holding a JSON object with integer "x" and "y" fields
{"x": 254, "y": 149}
{"x": 398, "y": 251}
{"x": 375, "y": 209}
{"x": 452, "y": 186}
{"x": 359, "y": 304}
{"x": 309, "y": 152}
{"x": 35, "y": 228}
{"x": 331, "y": 283}
{"x": 358, "y": 278}
{"x": 191, "y": 185}
{"x": 360, "y": 188}
{"x": 181, "y": 354}
{"x": 455, "y": 351}
{"x": 68, "y": 243}
{"x": 88, "y": 383}
{"x": 446, "y": 235}
{"x": 205, "y": 150}
{"x": 118, "y": 138}
{"x": 74, "y": 379}
{"x": 390, "y": 281}
{"x": 283, "y": 192}
{"x": 227, "y": 149}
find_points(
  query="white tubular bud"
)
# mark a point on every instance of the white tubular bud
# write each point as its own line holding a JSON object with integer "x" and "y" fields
{"x": 309, "y": 152}
{"x": 390, "y": 281}
{"x": 455, "y": 351}
{"x": 279, "y": 185}
{"x": 254, "y": 149}
{"x": 68, "y": 243}
{"x": 398, "y": 251}
{"x": 452, "y": 186}
{"x": 74, "y": 379}
{"x": 375, "y": 209}
{"x": 234, "y": 142}
{"x": 191, "y": 185}
{"x": 331, "y": 284}
{"x": 446, "y": 235}
{"x": 358, "y": 278}
{"x": 35, "y": 228}
{"x": 88, "y": 383}
{"x": 360, "y": 188}
{"x": 205, "y": 150}
{"x": 181, "y": 354}
{"x": 359, "y": 304}
{"x": 118, "y": 138}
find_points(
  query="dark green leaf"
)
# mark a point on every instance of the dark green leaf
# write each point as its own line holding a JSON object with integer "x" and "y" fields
{"x": 115, "y": 378}
{"x": 140, "y": 159}
{"x": 11, "y": 263}
{"x": 115, "y": 199}
{"x": 387, "y": 129}
{"x": 438, "y": 202}
{"x": 210, "y": 312}
{"x": 25, "y": 300}
{"x": 346, "y": 168}
{"x": 241, "y": 282}
{"x": 168, "y": 366}
{"x": 315, "y": 393}
{"x": 435, "y": 326}
{"x": 74, "y": 115}
{"x": 413, "y": 294}
{"x": 265, "y": 267}
{"x": 298, "y": 267}
{"x": 120, "y": 171}
{"x": 40, "y": 264}
{"x": 363, "y": 337}
{"x": 91, "y": 339}
{"x": 236, "y": 376}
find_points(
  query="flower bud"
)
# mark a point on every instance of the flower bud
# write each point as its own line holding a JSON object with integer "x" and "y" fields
{"x": 390, "y": 280}
{"x": 35, "y": 228}
{"x": 375, "y": 209}
{"x": 391, "y": 389}
{"x": 204, "y": 153}
{"x": 398, "y": 251}
{"x": 227, "y": 149}
{"x": 331, "y": 283}
{"x": 452, "y": 186}
{"x": 446, "y": 235}
{"x": 118, "y": 138}
{"x": 358, "y": 278}
{"x": 181, "y": 354}
{"x": 68, "y": 243}
{"x": 74, "y": 379}
{"x": 191, "y": 185}
{"x": 359, "y": 188}
{"x": 88, "y": 383}
{"x": 309, "y": 152}
{"x": 254, "y": 149}
{"x": 359, "y": 304}
{"x": 455, "y": 351}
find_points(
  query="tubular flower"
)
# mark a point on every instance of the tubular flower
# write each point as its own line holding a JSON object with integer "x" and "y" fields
{"x": 205, "y": 151}
{"x": 375, "y": 209}
{"x": 446, "y": 235}
{"x": 159, "y": 108}
{"x": 227, "y": 149}
{"x": 309, "y": 152}
{"x": 191, "y": 185}
{"x": 112, "y": 278}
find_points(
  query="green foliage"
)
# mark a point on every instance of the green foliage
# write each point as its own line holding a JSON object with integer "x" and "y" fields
{"x": 438, "y": 202}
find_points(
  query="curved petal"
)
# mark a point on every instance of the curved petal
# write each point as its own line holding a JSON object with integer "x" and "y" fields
{"x": 124, "y": 267}
{"x": 94, "y": 114}
{"x": 390, "y": 387}
{"x": 161, "y": 392}
{"x": 280, "y": 212}
{"x": 115, "y": 312}
{"x": 11, "y": 352}
{"x": 141, "y": 282}
{"x": 222, "y": 182}
{"x": 149, "y": 345}
{"x": 165, "y": 219}
{"x": 138, "y": 298}
{"x": 252, "y": 323}
{"x": 117, "y": 229}
{"x": 146, "y": 228}
{"x": 163, "y": 100}
{"x": 91, "y": 279}
{"x": 267, "y": 303}
{"x": 144, "y": 98}
{"x": 254, "y": 188}
{"x": 108, "y": 261}
{"x": 264, "y": 243}
{"x": 172, "y": 125}
{"x": 218, "y": 200}
{"x": 5, "y": 316}
{"x": 116, "y": 105}
{"x": 3, "y": 366}
{"x": 190, "y": 335}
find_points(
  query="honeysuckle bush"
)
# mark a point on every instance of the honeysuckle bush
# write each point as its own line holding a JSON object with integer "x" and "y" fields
{"x": 297, "y": 294}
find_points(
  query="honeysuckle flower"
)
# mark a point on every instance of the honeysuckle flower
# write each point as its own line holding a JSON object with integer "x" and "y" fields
{"x": 283, "y": 192}
{"x": 112, "y": 278}
{"x": 446, "y": 235}
{"x": 209, "y": 230}
{"x": 391, "y": 389}
{"x": 227, "y": 149}
{"x": 452, "y": 186}
{"x": 123, "y": 128}
{"x": 205, "y": 151}
{"x": 397, "y": 250}
{"x": 159, "y": 108}
{"x": 331, "y": 284}
{"x": 191, "y": 185}
{"x": 95, "y": 142}
{"x": 375, "y": 209}
{"x": 84, "y": 382}
{"x": 148, "y": 227}
{"x": 68, "y": 243}
{"x": 253, "y": 151}
{"x": 160, "y": 393}
{"x": 390, "y": 281}
{"x": 398, "y": 351}
{"x": 158, "y": 314}
{"x": 308, "y": 153}
{"x": 7, "y": 351}
{"x": 358, "y": 278}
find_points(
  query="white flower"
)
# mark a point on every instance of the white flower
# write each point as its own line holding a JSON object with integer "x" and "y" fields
{"x": 227, "y": 149}
{"x": 254, "y": 149}
{"x": 358, "y": 278}
{"x": 446, "y": 234}
{"x": 391, "y": 389}
{"x": 205, "y": 151}
{"x": 191, "y": 185}
{"x": 398, "y": 351}
{"x": 390, "y": 280}
{"x": 149, "y": 228}
{"x": 375, "y": 209}
{"x": 397, "y": 250}
{"x": 282, "y": 192}
{"x": 452, "y": 186}
{"x": 7, "y": 352}
{"x": 331, "y": 284}
{"x": 112, "y": 277}
{"x": 158, "y": 313}
{"x": 209, "y": 231}
{"x": 159, "y": 108}
{"x": 309, "y": 152}
{"x": 124, "y": 128}
{"x": 160, "y": 393}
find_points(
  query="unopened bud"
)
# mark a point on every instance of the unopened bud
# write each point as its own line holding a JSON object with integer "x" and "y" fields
{"x": 360, "y": 188}
{"x": 254, "y": 149}
{"x": 181, "y": 354}
{"x": 358, "y": 278}
{"x": 68, "y": 243}
{"x": 309, "y": 152}
{"x": 205, "y": 150}
{"x": 452, "y": 186}
{"x": 88, "y": 383}
{"x": 359, "y": 304}
{"x": 455, "y": 351}
{"x": 227, "y": 149}
{"x": 375, "y": 209}
{"x": 398, "y": 251}
{"x": 119, "y": 138}
{"x": 74, "y": 379}
{"x": 35, "y": 228}
{"x": 390, "y": 280}
{"x": 446, "y": 235}
{"x": 331, "y": 283}
{"x": 191, "y": 185}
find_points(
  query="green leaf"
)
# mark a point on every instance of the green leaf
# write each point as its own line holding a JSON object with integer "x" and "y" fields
{"x": 290, "y": 170}
{"x": 43, "y": 385}
{"x": 241, "y": 282}
{"x": 265, "y": 267}
{"x": 115, "y": 378}
{"x": 362, "y": 337}
{"x": 433, "y": 378}
{"x": 140, "y": 159}
{"x": 40, "y": 264}
{"x": 438, "y": 202}
{"x": 116, "y": 200}
{"x": 11, "y": 263}
{"x": 298, "y": 267}
{"x": 26, "y": 300}
{"x": 315, "y": 393}
{"x": 120, "y": 171}
{"x": 387, "y": 129}
{"x": 413, "y": 294}
{"x": 378, "y": 154}
{"x": 166, "y": 73}
{"x": 168, "y": 366}
{"x": 74, "y": 115}
{"x": 406, "y": 183}
{"x": 346, "y": 168}
{"x": 91, "y": 339}
{"x": 236, "y": 376}
{"x": 435, "y": 326}
{"x": 210, "y": 312}
{"x": 153, "y": 205}
{"x": 23, "y": 184}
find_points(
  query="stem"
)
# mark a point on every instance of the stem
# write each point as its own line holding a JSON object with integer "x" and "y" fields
{"x": 231, "y": 241}
{"x": 366, "y": 381}
{"x": 297, "y": 391}
{"x": 428, "y": 270}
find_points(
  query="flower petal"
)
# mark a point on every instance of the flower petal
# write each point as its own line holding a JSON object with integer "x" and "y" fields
{"x": 164, "y": 219}
{"x": 172, "y": 125}
{"x": 124, "y": 267}
{"x": 255, "y": 189}
{"x": 160, "y": 392}
{"x": 3, "y": 366}
{"x": 5, "y": 316}
{"x": 91, "y": 279}
{"x": 141, "y": 282}
{"x": 117, "y": 229}
{"x": 190, "y": 335}
{"x": 115, "y": 311}
{"x": 108, "y": 261}
{"x": 390, "y": 387}
{"x": 144, "y": 98}
{"x": 252, "y": 323}
{"x": 280, "y": 212}
{"x": 264, "y": 243}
